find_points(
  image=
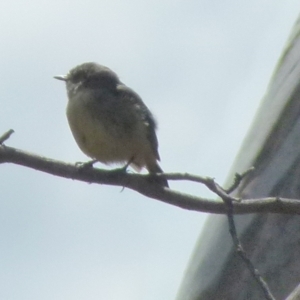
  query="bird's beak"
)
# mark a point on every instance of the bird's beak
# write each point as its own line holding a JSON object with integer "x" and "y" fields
{"x": 61, "y": 77}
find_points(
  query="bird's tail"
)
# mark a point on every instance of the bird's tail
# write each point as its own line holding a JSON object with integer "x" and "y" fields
{"x": 155, "y": 168}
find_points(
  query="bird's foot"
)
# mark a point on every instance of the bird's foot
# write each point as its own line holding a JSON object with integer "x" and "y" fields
{"x": 121, "y": 170}
{"x": 124, "y": 168}
{"x": 85, "y": 165}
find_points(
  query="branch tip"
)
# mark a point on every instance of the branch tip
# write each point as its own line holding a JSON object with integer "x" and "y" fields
{"x": 5, "y": 136}
{"x": 238, "y": 179}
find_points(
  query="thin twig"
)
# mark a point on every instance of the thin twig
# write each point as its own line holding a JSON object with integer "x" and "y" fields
{"x": 237, "y": 180}
{"x": 240, "y": 251}
{"x": 6, "y": 136}
{"x": 207, "y": 181}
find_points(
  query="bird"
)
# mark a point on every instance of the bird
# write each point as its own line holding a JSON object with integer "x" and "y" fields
{"x": 109, "y": 121}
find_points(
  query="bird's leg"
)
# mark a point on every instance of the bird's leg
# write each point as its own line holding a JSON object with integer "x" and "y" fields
{"x": 124, "y": 169}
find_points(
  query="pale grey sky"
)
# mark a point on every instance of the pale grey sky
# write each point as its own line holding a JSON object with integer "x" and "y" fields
{"x": 200, "y": 66}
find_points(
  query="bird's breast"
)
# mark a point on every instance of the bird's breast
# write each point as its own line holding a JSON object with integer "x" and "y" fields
{"x": 96, "y": 136}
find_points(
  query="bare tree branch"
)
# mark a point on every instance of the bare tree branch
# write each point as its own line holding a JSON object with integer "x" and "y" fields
{"x": 240, "y": 251}
{"x": 144, "y": 185}
{"x": 148, "y": 187}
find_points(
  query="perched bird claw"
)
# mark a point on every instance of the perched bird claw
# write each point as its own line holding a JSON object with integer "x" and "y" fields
{"x": 85, "y": 165}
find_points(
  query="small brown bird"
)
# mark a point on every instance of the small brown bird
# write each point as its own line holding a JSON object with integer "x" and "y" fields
{"x": 109, "y": 121}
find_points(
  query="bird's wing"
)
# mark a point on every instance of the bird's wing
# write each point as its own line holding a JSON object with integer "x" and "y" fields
{"x": 127, "y": 94}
